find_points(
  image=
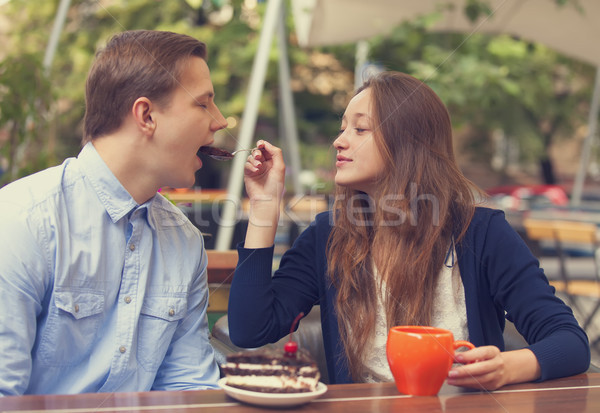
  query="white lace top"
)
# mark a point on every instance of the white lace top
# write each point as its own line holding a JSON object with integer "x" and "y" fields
{"x": 449, "y": 312}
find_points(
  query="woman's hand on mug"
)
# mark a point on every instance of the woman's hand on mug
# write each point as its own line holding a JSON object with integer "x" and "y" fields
{"x": 483, "y": 368}
{"x": 487, "y": 368}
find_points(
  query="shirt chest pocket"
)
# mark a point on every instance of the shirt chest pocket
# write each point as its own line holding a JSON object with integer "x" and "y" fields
{"x": 71, "y": 328}
{"x": 159, "y": 318}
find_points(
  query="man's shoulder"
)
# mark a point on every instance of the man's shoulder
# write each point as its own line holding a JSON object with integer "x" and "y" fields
{"x": 33, "y": 189}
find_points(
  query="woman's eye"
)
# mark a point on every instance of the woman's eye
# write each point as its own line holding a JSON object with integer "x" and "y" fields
{"x": 341, "y": 131}
{"x": 359, "y": 130}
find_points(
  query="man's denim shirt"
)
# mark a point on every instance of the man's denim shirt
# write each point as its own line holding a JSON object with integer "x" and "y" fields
{"x": 97, "y": 293}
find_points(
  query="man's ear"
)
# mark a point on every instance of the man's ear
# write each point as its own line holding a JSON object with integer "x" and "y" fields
{"x": 142, "y": 111}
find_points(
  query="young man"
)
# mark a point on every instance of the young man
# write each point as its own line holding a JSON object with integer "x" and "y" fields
{"x": 102, "y": 280}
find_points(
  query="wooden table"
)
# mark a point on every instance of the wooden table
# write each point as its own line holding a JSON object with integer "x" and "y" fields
{"x": 579, "y": 393}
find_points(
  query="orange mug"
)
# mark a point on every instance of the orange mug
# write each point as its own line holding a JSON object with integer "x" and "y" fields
{"x": 420, "y": 358}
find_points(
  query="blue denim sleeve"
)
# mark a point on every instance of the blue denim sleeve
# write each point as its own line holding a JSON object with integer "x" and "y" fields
{"x": 23, "y": 280}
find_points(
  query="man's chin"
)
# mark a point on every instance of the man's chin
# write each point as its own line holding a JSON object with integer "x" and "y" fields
{"x": 185, "y": 184}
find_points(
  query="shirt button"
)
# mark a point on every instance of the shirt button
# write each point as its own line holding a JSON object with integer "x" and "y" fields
{"x": 76, "y": 308}
{"x": 171, "y": 312}
{"x": 131, "y": 247}
{"x": 122, "y": 349}
{"x": 128, "y": 299}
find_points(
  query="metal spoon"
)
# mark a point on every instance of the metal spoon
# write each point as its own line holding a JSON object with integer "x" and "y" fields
{"x": 221, "y": 154}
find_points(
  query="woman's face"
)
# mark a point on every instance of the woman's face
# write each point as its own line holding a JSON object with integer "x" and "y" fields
{"x": 359, "y": 164}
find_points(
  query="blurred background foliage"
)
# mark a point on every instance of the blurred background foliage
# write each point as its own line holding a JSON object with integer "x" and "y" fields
{"x": 498, "y": 88}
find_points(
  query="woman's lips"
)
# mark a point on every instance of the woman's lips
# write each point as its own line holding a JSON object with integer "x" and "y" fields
{"x": 341, "y": 160}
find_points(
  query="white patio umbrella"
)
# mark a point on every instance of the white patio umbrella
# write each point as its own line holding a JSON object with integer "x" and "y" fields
{"x": 573, "y": 29}
{"x": 566, "y": 29}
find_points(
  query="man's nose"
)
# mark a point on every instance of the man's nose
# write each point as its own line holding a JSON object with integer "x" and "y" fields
{"x": 219, "y": 121}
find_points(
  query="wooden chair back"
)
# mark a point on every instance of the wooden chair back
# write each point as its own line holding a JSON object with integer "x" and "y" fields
{"x": 562, "y": 231}
{"x": 539, "y": 229}
{"x": 580, "y": 232}
{"x": 221, "y": 265}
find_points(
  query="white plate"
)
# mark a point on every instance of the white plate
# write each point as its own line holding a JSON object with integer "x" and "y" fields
{"x": 272, "y": 399}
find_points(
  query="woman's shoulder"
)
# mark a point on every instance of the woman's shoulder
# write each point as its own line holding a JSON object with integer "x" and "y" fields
{"x": 485, "y": 215}
{"x": 318, "y": 230}
{"x": 324, "y": 218}
{"x": 487, "y": 221}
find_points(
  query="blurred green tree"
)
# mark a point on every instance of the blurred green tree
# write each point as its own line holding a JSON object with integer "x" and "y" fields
{"x": 25, "y": 98}
{"x": 530, "y": 93}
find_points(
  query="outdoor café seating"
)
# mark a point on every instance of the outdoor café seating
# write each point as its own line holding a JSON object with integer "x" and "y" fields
{"x": 565, "y": 237}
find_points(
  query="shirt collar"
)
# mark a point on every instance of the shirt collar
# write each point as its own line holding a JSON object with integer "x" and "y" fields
{"x": 150, "y": 211}
{"x": 111, "y": 193}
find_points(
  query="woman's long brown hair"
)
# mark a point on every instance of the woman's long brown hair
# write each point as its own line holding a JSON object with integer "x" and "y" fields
{"x": 422, "y": 203}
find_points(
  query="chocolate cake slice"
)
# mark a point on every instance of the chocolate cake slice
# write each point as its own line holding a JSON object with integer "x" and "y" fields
{"x": 271, "y": 370}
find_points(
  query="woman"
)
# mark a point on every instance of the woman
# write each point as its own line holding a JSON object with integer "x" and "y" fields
{"x": 404, "y": 244}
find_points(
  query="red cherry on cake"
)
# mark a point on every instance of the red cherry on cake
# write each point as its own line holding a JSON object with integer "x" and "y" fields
{"x": 291, "y": 347}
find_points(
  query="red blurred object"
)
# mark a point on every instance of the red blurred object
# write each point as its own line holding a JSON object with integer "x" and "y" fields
{"x": 520, "y": 197}
{"x": 291, "y": 347}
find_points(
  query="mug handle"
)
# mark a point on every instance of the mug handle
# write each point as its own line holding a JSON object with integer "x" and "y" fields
{"x": 463, "y": 343}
